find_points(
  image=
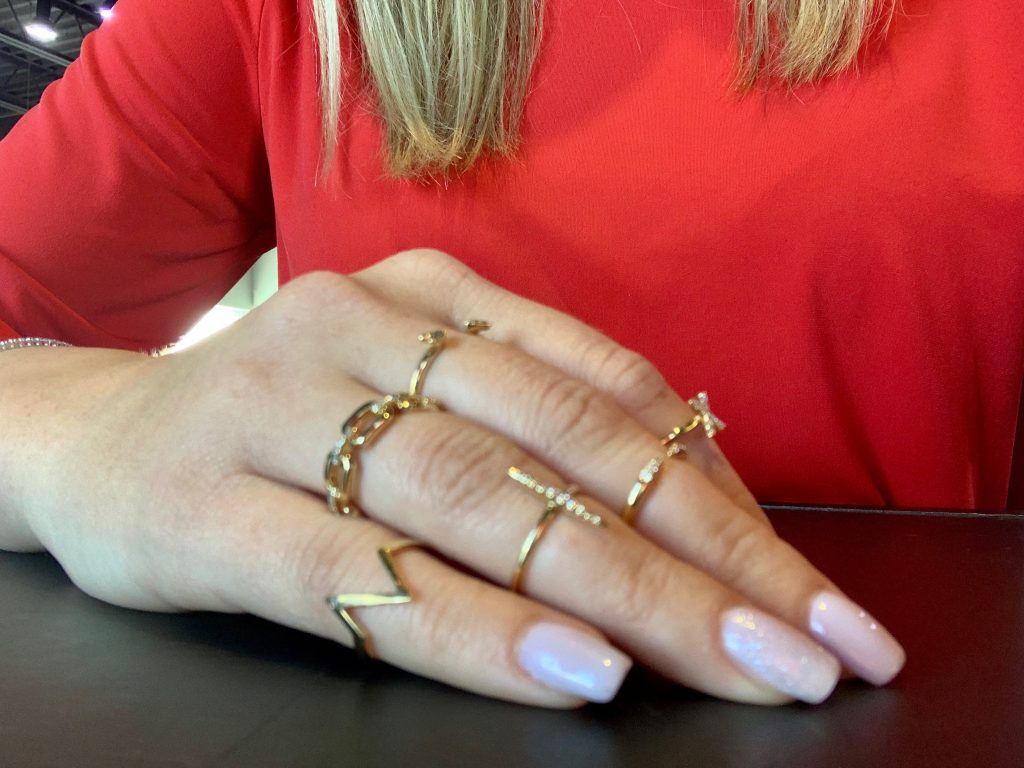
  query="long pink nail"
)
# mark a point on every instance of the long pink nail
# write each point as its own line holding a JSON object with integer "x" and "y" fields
{"x": 779, "y": 655}
{"x": 574, "y": 662}
{"x": 863, "y": 645}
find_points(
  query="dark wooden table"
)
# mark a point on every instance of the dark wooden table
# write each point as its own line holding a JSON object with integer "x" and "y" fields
{"x": 86, "y": 684}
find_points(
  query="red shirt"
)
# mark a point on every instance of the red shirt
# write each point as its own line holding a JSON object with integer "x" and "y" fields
{"x": 840, "y": 267}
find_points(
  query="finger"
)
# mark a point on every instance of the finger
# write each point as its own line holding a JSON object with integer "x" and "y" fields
{"x": 285, "y": 554}
{"x": 443, "y": 480}
{"x": 534, "y": 405}
{"x": 438, "y": 286}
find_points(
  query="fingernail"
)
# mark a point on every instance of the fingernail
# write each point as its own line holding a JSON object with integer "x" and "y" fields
{"x": 573, "y": 661}
{"x": 779, "y": 655}
{"x": 863, "y": 645}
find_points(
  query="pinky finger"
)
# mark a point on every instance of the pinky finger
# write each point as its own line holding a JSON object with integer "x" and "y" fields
{"x": 456, "y": 629}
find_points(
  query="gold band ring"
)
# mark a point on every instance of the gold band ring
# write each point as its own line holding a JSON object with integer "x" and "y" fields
{"x": 341, "y": 604}
{"x": 435, "y": 341}
{"x": 363, "y": 426}
{"x": 557, "y": 501}
{"x": 645, "y": 480}
{"x": 702, "y": 417}
{"x": 531, "y": 539}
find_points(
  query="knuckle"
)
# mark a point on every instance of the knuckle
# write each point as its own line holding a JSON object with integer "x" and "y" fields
{"x": 318, "y": 284}
{"x": 284, "y": 327}
{"x": 424, "y": 261}
{"x": 568, "y": 410}
{"x": 632, "y": 379}
{"x": 439, "y": 273}
{"x": 733, "y": 547}
{"x": 323, "y": 563}
{"x": 292, "y": 309}
{"x": 633, "y": 589}
{"x": 447, "y": 474}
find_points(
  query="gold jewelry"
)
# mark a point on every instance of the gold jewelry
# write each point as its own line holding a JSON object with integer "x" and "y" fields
{"x": 341, "y": 604}
{"x": 645, "y": 480}
{"x": 562, "y": 499}
{"x": 361, "y": 427}
{"x": 557, "y": 500}
{"x": 435, "y": 341}
{"x": 476, "y": 327}
{"x": 702, "y": 417}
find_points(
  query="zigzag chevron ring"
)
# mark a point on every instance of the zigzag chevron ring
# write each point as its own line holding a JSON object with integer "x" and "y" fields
{"x": 341, "y": 604}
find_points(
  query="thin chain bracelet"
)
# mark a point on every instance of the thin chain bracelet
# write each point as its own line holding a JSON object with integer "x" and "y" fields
{"x": 31, "y": 341}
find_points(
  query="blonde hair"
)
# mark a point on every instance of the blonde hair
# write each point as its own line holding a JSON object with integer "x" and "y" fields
{"x": 450, "y": 76}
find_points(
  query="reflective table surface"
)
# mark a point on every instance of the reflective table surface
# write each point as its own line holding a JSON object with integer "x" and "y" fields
{"x": 87, "y": 684}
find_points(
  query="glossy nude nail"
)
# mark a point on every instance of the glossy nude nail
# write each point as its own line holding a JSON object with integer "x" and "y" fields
{"x": 573, "y": 661}
{"x": 863, "y": 645}
{"x": 779, "y": 655}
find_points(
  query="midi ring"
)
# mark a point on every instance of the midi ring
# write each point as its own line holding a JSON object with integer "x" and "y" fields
{"x": 341, "y": 604}
{"x": 557, "y": 501}
{"x": 363, "y": 426}
{"x": 645, "y": 480}
{"x": 435, "y": 341}
{"x": 702, "y": 417}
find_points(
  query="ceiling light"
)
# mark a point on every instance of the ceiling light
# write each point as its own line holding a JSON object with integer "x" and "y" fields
{"x": 106, "y": 11}
{"x": 41, "y": 28}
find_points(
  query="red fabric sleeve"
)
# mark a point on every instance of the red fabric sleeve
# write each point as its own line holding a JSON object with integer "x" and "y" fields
{"x": 137, "y": 192}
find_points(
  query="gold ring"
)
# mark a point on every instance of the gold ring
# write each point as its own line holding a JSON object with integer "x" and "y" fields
{"x": 645, "y": 480}
{"x": 557, "y": 501}
{"x": 363, "y": 426}
{"x": 702, "y": 417}
{"x": 435, "y": 341}
{"x": 476, "y": 327}
{"x": 341, "y": 604}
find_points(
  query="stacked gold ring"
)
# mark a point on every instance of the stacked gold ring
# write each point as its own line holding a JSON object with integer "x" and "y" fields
{"x": 557, "y": 501}
{"x": 341, "y": 604}
{"x": 702, "y": 417}
{"x": 372, "y": 417}
{"x": 644, "y": 482}
{"x": 435, "y": 341}
{"x": 362, "y": 427}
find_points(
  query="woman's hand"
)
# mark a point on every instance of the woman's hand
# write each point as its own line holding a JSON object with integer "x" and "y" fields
{"x": 195, "y": 481}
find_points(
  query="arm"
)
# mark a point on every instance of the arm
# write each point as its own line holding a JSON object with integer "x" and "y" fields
{"x": 138, "y": 191}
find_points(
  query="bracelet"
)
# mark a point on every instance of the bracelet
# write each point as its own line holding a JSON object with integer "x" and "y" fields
{"x": 31, "y": 341}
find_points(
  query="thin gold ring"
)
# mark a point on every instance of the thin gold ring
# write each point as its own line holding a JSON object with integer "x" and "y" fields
{"x": 534, "y": 536}
{"x": 557, "y": 501}
{"x": 645, "y": 480}
{"x": 702, "y": 417}
{"x": 436, "y": 341}
{"x": 341, "y": 604}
